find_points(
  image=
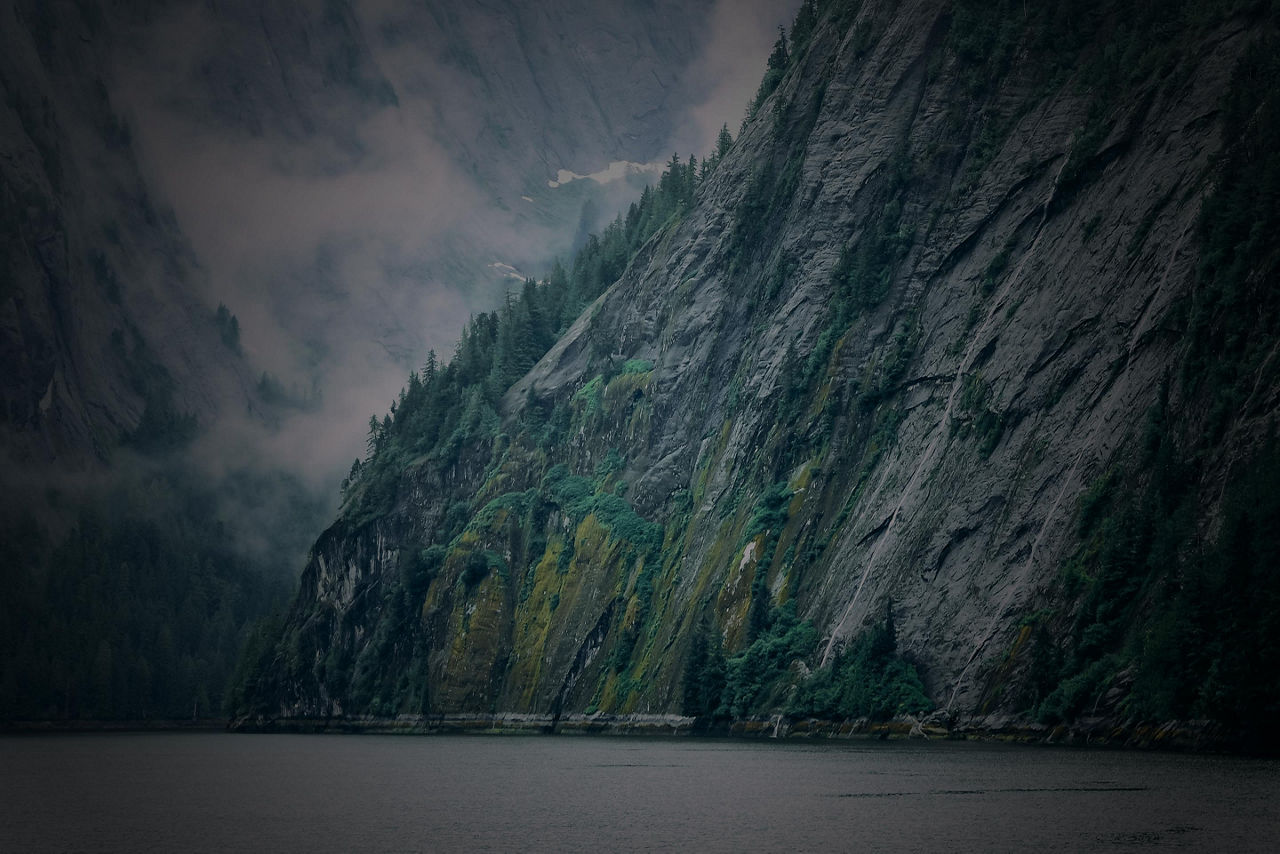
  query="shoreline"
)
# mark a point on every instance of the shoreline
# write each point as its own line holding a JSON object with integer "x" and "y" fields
{"x": 153, "y": 725}
{"x": 1197, "y": 736}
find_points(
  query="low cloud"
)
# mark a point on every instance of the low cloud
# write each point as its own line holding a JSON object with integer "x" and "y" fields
{"x": 350, "y": 234}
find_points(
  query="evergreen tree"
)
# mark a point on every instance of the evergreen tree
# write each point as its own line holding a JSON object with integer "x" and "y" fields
{"x": 371, "y": 444}
{"x": 780, "y": 57}
{"x": 723, "y": 142}
{"x": 803, "y": 26}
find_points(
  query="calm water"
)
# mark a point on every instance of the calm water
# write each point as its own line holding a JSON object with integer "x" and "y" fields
{"x": 207, "y": 792}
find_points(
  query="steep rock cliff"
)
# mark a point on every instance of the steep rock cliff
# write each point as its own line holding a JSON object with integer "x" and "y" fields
{"x": 941, "y": 329}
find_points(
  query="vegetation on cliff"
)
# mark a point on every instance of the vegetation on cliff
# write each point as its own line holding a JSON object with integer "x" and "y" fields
{"x": 1181, "y": 620}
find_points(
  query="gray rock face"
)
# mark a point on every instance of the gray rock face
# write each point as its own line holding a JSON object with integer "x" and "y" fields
{"x": 1015, "y": 278}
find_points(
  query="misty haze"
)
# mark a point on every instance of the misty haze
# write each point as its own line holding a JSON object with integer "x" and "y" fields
{"x": 818, "y": 372}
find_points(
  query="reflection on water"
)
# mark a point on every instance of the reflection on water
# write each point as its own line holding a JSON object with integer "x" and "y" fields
{"x": 218, "y": 792}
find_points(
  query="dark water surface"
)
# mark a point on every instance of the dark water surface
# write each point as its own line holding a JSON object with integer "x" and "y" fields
{"x": 217, "y": 792}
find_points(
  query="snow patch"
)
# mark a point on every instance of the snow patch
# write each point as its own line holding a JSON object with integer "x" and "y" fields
{"x": 616, "y": 171}
{"x": 507, "y": 271}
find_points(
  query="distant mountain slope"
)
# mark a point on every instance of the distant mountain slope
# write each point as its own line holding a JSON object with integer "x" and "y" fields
{"x": 103, "y": 316}
{"x": 952, "y": 389}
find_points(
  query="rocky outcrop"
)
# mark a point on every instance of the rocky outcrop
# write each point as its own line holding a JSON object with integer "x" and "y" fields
{"x": 924, "y": 306}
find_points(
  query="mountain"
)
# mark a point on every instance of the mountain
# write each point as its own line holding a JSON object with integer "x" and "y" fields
{"x": 226, "y": 225}
{"x": 949, "y": 393}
